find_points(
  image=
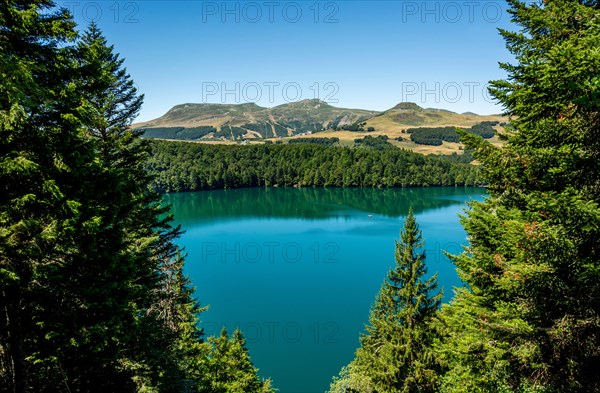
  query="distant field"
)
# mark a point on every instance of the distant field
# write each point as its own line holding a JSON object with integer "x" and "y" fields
{"x": 347, "y": 139}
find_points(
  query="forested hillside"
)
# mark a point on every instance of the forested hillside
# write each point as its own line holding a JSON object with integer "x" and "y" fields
{"x": 180, "y": 166}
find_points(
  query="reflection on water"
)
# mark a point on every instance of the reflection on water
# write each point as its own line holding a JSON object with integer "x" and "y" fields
{"x": 312, "y": 203}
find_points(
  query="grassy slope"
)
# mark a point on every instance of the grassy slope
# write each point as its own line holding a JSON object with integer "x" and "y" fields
{"x": 216, "y": 115}
{"x": 395, "y": 121}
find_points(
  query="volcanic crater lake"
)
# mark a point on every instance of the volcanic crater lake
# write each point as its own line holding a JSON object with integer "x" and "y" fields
{"x": 298, "y": 269}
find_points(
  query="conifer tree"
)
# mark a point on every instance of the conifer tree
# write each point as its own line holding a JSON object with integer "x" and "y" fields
{"x": 152, "y": 334}
{"x": 109, "y": 103}
{"x": 92, "y": 291}
{"x": 529, "y": 317}
{"x": 41, "y": 158}
{"x": 396, "y": 353}
{"x": 229, "y": 368}
{"x": 82, "y": 241}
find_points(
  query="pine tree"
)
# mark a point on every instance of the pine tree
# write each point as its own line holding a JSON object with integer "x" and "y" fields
{"x": 229, "y": 368}
{"x": 396, "y": 353}
{"x": 529, "y": 317}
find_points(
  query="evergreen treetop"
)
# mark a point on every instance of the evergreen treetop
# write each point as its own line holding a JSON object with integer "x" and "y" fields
{"x": 396, "y": 353}
{"x": 529, "y": 316}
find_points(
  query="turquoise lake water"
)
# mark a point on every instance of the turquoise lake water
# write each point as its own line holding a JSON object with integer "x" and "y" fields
{"x": 297, "y": 269}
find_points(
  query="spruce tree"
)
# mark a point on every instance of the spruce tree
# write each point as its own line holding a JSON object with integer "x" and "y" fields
{"x": 229, "y": 368}
{"x": 529, "y": 316}
{"x": 109, "y": 103}
{"x": 41, "y": 157}
{"x": 132, "y": 281}
{"x": 396, "y": 353}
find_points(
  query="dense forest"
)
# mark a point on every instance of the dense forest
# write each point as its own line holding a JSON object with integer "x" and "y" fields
{"x": 181, "y": 166}
{"x": 528, "y": 318}
{"x": 93, "y": 297}
{"x": 435, "y": 136}
{"x": 379, "y": 142}
{"x": 178, "y": 132}
{"x": 315, "y": 141}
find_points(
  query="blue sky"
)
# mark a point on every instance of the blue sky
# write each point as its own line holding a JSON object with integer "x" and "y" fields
{"x": 354, "y": 54}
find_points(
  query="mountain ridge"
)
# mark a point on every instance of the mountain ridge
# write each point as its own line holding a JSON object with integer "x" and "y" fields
{"x": 249, "y": 121}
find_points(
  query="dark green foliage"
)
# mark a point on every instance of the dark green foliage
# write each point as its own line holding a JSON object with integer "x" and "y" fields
{"x": 179, "y": 166}
{"x": 264, "y": 129}
{"x": 352, "y": 127}
{"x": 433, "y": 136}
{"x": 484, "y": 129}
{"x": 436, "y": 136}
{"x": 132, "y": 243}
{"x": 429, "y": 140}
{"x": 161, "y": 132}
{"x": 315, "y": 141}
{"x": 92, "y": 294}
{"x": 87, "y": 309}
{"x": 529, "y": 318}
{"x": 466, "y": 157}
{"x": 396, "y": 353}
{"x": 490, "y": 123}
{"x": 283, "y": 131}
{"x": 180, "y": 133}
{"x": 231, "y": 132}
{"x": 299, "y": 127}
{"x": 39, "y": 211}
{"x": 378, "y": 143}
{"x": 229, "y": 368}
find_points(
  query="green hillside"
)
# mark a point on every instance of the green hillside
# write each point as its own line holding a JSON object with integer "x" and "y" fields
{"x": 250, "y": 121}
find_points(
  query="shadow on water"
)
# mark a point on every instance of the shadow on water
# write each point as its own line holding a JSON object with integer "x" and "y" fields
{"x": 311, "y": 203}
